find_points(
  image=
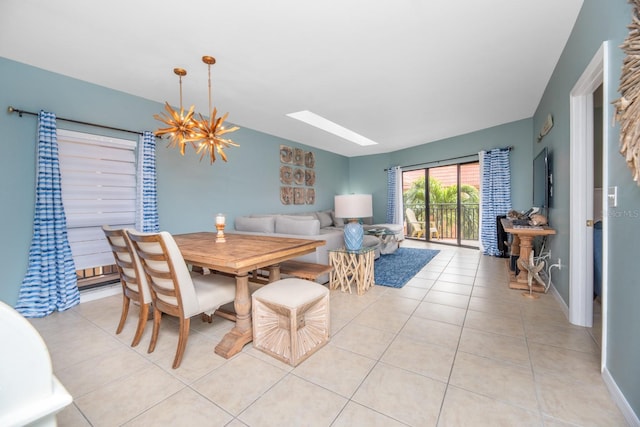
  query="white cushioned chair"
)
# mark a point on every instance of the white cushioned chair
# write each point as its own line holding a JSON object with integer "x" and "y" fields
{"x": 132, "y": 277}
{"x": 174, "y": 289}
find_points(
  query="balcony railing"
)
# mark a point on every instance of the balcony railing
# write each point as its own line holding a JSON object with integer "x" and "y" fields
{"x": 444, "y": 215}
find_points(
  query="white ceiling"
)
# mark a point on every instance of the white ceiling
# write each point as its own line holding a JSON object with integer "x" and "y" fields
{"x": 402, "y": 72}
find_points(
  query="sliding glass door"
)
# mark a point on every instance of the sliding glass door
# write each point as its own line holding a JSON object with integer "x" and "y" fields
{"x": 446, "y": 210}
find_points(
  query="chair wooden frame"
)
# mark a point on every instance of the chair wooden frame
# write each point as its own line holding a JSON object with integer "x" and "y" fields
{"x": 132, "y": 279}
{"x": 172, "y": 287}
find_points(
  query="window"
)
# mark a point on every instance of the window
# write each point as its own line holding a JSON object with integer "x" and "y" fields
{"x": 98, "y": 187}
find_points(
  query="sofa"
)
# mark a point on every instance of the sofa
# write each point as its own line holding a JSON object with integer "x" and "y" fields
{"x": 318, "y": 225}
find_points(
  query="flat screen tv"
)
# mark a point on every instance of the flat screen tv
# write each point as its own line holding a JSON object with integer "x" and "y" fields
{"x": 542, "y": 181}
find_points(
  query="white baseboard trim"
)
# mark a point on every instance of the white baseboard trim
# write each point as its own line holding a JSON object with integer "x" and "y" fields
{"x": 102, "y": 292}
{"x": 620, "y": 400}
{"x": 563, "y": 305}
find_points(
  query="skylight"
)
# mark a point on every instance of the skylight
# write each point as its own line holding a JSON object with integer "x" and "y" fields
{"x": 328, "y": 126}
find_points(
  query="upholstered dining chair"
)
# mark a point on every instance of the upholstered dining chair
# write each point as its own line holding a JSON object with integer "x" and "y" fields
{"x": 132, "y": 277}
{"x": 175, "y": 290}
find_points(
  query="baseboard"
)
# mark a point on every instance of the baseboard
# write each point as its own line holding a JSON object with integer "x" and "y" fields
{"x": 563, "y": 305}
{"x": 102, "y": 292}
{"x": 620, "y": 400}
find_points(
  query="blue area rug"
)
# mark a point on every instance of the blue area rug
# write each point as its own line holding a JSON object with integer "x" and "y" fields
{"x": 396, "y": 269}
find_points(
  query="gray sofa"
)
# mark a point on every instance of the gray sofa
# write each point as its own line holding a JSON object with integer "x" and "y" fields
{"x": 309, "y": 225}
{"x": 318, "y": 225}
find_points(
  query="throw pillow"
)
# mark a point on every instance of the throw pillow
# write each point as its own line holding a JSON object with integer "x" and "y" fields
{"x": 338, "y": 222}
{"x": 325, "y": 219}
{"x": 257, "y": 225}
{"x": 301, "y": 217}
{"x": 286, "y": 225}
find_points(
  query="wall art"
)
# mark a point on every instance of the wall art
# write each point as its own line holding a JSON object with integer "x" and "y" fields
{"x": 286, "y": 195}
{"x": 286, "y": 154}
{"x": 309, "y": 159}
{"x": 628, "y": 105}
{"x": 310, "y": 196}
{"x": 299, "y": 196}
{"x": 286, "y": 175}
{"x": 297, "y": 176}
{"x": 309, "y": 177}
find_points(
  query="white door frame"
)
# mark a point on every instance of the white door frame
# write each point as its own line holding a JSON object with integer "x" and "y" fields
{"x": 581, "y": 193}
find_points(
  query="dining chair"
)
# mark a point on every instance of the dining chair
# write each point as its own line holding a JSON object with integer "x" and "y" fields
{"x": 132, "y": 277}
{"x": 175, "y": 290}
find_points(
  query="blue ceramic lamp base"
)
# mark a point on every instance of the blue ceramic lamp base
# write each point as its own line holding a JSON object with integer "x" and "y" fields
{"x": 353, "y": 235}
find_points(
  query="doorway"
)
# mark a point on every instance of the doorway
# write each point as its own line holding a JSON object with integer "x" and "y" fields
{"x": 581, "y": 207}
{"x": 442, "y": 203}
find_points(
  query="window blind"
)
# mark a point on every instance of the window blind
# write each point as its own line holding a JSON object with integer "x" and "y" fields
{"x": 98, "y": 187}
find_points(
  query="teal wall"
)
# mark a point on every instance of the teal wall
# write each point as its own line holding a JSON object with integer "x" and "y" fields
{"x": 599, "y": 21}
{"x": 367, "y": 172}
{"x": 190, "y": 192}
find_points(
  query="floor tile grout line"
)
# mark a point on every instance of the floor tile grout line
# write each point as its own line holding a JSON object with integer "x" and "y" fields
{"x": 453, "y": 362}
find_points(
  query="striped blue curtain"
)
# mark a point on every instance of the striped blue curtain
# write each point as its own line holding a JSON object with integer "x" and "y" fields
{"x": 147, "y": 219}
{"x": 495, "y": 196}
{"x": 50, "y": 283}
{"x": 394, "y": 195}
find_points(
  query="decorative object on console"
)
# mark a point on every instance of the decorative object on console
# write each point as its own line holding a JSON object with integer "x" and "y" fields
{"x": 205, "y": 135}
{"x": 628, "y": 105}
{"x": 353, "y": 207}
{"x": 220, "y": 222}
{"x": 537, "y": 219}
{"x": 514, "y": 214}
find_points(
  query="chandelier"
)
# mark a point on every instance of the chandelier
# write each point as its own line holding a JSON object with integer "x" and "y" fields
{"x": 206, "y": 136}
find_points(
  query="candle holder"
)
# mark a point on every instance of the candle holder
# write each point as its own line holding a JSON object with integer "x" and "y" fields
{"x": 220, "y": 220}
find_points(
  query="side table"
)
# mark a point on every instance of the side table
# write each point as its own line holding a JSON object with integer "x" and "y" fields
{"x": 351, "y": 267}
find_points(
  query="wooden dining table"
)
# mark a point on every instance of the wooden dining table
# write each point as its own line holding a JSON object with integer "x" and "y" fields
{"x": 239, "y": 255}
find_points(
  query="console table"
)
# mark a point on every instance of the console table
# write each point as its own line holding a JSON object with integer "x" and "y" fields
{"x": 523, "y": 245}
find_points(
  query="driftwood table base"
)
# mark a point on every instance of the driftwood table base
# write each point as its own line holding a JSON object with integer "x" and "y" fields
{"x": 352, "y": 268}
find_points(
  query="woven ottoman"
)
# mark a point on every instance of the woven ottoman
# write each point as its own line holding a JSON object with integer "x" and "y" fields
{"x": 290, "y": 319}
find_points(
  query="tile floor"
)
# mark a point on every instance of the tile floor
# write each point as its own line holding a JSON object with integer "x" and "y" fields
{"x": 454, "y": 347}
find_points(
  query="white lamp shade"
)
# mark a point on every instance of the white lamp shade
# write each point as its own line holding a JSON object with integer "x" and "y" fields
{"x": 353, "y": 206}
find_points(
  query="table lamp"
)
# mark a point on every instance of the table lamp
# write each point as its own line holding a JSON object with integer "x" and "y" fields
{"x": 353, "y": 207}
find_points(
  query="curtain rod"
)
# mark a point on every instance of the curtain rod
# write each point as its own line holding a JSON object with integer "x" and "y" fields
{"x": 21, "y": 112}
{"x": 450, "y": 158}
